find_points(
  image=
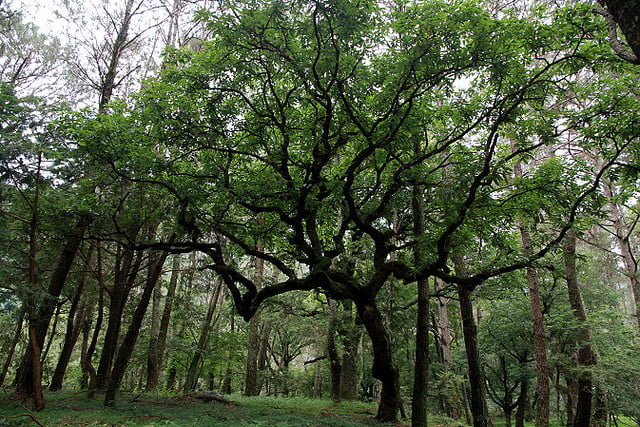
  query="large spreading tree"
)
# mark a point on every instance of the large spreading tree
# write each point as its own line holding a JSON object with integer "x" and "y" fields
{"x": 306, "y": 134}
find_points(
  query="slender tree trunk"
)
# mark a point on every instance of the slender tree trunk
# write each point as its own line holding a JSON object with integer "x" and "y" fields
{"x": 226, "y": 382}
{"x": 586, "y": 355}
{"x": 451, "y": 401}
{"x": 539, "y": 340}
{"x": 10, "y": 347}
{"x": 253, "y": 348}
{"x": 421, "y": 367}
{"x": 383, "y": 368}
{"x": 89, "y": 372}
{"x": 152, "y": 352}
{"x": 263, "y": 354}
{"x": 465, "y": 401}
{"x": 478, "y": 402}
{"x": 36, "y": 367}
{"x": 34, "y": 389}
{"x": 127, "y": 267}
{"x": 52, "y": 333}
{"x": 166, "y": 316}
{"x": 351, "y": 333}
{"x": 253, "y": 345}
{"x": 571, "y": 399}
{"x": 120, "y": 44}
{"x": 444, "y": 327}
{"x": 192, "y": 373}
{"x": 523, "y": 399}
{"x": 171, "y": 378}
{"x": 332, "y": 352}
{"x": 129, "y": 341}
{"x": 74, "y": 325}
{"x": 86, "y": 332}
{"x": 25, "y": 375}
{"x": 539, "y": 335}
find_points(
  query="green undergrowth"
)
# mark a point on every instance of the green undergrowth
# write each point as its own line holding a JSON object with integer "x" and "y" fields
{"x": 74, "y": 409}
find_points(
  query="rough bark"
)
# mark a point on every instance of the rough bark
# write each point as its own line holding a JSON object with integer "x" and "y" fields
{"x": 127, "y": 267}
{"x": 108, "y": 76}
{"x": 476, "y": 378}
{"x": 253, "y": 344}
{"x": 253, "y": 348}
{"x": 626, "y": 13}
{"x": 539, "y": 340}
{"x": 523, "y": 400}
{"x": 75, "y": 320}
{"x": 25, "y": 375}
{"x": 421, "y": 367}
{"x": 539, "y": 335}
{"x": 129, "y": 340}
{"x": 383, "y": 368}
{"x": 36, "y": 367}
{"x": 586, "y": 355}
{"x": 34, "y": 391}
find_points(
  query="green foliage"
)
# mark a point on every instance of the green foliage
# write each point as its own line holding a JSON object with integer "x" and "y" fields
{"x": 303, "y": 128}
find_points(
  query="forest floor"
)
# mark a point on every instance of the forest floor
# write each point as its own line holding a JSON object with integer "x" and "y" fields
{"x": 74, "y": 409}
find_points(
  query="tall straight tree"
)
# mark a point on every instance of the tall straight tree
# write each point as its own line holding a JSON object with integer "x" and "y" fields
{"x": 586, "y": 354}
{"x": 539, "y": 334}
{"x": 253, "y": 341}
{"x": 421, "y": 369}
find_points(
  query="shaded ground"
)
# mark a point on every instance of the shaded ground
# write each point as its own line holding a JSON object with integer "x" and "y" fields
{"x": 74, "y": 409}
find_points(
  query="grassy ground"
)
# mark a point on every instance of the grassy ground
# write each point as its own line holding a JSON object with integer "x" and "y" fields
{"x": 74, "y": 409}
{"x": 133, "y": 410}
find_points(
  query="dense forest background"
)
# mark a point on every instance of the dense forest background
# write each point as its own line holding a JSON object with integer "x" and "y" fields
{"x": 428, "y": 204}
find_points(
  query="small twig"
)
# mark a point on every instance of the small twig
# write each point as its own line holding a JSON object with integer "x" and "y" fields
{"x": 317, "y": 359}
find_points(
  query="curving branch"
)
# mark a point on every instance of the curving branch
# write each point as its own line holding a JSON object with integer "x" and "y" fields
{"x": 632, "y": 54}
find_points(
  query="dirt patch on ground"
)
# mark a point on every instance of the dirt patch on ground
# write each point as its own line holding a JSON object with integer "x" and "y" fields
{"x": 204, "y": 397}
